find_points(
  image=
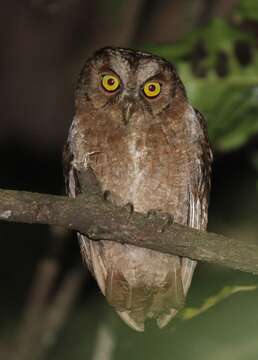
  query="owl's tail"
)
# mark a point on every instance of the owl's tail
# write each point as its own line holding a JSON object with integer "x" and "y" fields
{"x": 187, "y": 270}
{"x": 137, "y": 322}
{"x": 162, "y": 320}
{"x": 140, "y": 284}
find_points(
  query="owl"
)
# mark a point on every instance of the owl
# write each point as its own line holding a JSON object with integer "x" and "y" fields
{"x": 135, "y": 130}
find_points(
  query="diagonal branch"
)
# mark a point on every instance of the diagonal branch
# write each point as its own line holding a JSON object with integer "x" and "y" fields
{"x": 99, "y": 219}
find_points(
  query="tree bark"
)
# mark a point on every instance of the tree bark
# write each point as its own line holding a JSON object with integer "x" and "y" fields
{"x": 101, "y": 220}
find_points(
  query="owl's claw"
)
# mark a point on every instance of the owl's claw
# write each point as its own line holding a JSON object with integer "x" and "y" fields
{"x": 129, "y": 208}
{"x": 165, "y": 218}
{"x": 109, "y": 197}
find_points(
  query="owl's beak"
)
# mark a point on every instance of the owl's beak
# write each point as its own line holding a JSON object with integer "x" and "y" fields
{"x": 128, "y": 109}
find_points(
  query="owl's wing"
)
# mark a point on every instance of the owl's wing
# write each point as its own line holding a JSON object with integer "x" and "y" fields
{"x": 73, "y": 188}
{"x": 70, "y": 174}
{"x": 200, "y": 180}
{"x": 199, "y": 190}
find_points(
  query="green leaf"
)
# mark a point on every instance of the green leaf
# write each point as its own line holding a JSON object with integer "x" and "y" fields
{"x": 247, "y": 10}
{"x": 189, "y": 313}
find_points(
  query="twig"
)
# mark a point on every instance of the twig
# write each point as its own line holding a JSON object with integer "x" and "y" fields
{"x": 105, "y": 344}
{"x": 48, "y": 268}
{"x": 102, "y": 220}
{"x": 58, "y": 311}
{"x": 29, "y": 331}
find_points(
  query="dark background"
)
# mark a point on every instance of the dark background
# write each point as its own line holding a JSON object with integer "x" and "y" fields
{"x": 48, "y": 310}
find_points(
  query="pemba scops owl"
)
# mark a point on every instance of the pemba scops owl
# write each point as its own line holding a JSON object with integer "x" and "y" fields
{"x": 146, "y": 145}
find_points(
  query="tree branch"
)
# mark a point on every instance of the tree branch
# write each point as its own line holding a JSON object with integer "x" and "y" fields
{"x": 99, "y": 219}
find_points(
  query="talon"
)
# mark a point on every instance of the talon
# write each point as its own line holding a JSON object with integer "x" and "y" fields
{"x": 169, "y": 219}
{"x": 129, "y": 208}
{"x": 152, "y": 214}
{"x": 112, "y": 198}
{"x": 107, "y": 196}
{"x": 166, "y": 218}
{"x": 156, "y": 214}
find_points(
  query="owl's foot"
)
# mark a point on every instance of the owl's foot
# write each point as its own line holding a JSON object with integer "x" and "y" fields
{"x": 110, "y": 197}
{"x": 113, "y": 199}
{"x": 129, "y": 208}
{"x": 164, "y": 218}
{"x": 107, "y": 196}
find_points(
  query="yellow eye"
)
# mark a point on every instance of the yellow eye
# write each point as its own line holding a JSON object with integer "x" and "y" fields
{"x": 152, "y": 89}
{"x": 110, "y": 83}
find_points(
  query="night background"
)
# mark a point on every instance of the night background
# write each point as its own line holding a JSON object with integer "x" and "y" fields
{"x": 50, "y": 307}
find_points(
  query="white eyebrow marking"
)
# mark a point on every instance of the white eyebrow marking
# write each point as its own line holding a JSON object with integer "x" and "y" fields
{"x": 146, "y": 70}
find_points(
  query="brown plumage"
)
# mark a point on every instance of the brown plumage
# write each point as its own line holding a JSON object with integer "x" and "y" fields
{"x": 149, "y": 147}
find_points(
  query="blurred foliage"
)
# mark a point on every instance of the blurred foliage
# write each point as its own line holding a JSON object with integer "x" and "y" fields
{"x": 218, "y": 65}
{"x": 247, "y": 10}
{"x": 189, "y": 313}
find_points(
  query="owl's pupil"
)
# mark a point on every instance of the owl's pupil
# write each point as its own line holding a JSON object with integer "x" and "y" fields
{"x": 152, "y": 87}
{"x": 111, "y": 81}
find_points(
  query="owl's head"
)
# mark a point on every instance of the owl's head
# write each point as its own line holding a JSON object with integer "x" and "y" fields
{"x": 129, "y": 80}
